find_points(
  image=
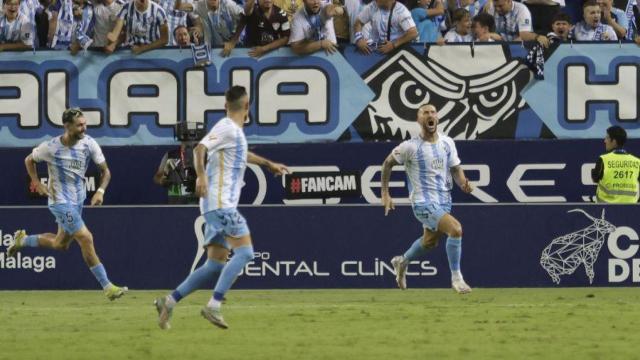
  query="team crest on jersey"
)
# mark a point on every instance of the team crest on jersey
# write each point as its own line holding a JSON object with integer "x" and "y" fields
{"x": 437, "y": 164}
{"x": 140, "y": 30}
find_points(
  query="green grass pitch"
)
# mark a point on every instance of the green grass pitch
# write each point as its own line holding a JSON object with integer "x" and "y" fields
{"x": 577, "y": 323}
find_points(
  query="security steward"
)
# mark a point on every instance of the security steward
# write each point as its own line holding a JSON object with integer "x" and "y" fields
{"x": 617, "y": 172}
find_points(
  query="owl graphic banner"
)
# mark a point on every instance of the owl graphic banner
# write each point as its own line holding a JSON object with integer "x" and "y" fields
{"x": 481, "y": 91}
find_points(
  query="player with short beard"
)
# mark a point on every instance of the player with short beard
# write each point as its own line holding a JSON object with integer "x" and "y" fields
{"x": 67, "y": 158}
{"x": 431, "y": 162}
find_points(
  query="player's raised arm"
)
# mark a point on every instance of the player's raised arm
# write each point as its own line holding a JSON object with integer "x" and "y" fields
{"x": 105, "y": 177}
{"x": 388, "y": 164}
{"x": 458, "y": 176}
{"x": 275, "y": 168}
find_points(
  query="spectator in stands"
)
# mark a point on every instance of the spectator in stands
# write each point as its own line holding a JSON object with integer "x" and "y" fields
{"x": 353, "y": 9}
{"x": 15, "y": 28}
{"x": 175, "y": 15}
{"x": 60, "y": 24}
{"x": 461, "y": 30}
{"x": 289, "y": 6}
{"x": 146, "y": 27}
{"x": 181, "y": 36}
{"x": 614, "y": 17}
{"x": 561, "y": 26}
{"x": 267, "y": 28}
{"x": 33, "y": 11}
{"x": 425, "y": 17}
{"x": 591, "y": 28}
{"x": 341, "y": 24}
{"x": 83, "y": 24}
{"x": 483, "y": 25}
{"x": 217, "y": 20}
{"x": 474, "y": 7}
{"x": 391, "y": 26}
{"x": 560, "y": 3}
{"x": 513, "y": 21}
{"x": 542, "y": 13}
{"x": 105, "y": 13}
{"x": 312, "y": 28}
{"x": 616, "y": 172}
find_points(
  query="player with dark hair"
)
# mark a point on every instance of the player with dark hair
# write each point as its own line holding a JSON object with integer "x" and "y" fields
{"x": 67, "y": 158}
{"x": 617, "y": 172}
{"x": 218, "y": 185}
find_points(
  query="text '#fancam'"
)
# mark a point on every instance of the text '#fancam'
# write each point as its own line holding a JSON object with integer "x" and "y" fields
{"x": 306, "y": 185}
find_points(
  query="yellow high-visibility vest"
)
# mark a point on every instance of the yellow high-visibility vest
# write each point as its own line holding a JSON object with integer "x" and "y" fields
{"x": 619, "y": 183}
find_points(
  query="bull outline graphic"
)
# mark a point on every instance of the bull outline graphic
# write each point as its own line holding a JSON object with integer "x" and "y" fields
{"x": 565, "y": 253}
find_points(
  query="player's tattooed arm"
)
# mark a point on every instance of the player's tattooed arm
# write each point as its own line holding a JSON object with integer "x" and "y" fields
{"x": 30, "y": 164}
{"x": 458, "y": 176}
{"x": 275, "y": 168}
{"x": 388, "y": 164}
{"x": 105, "y": 178}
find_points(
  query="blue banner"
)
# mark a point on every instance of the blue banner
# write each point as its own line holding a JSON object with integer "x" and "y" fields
{"x": 481, "y": 91}
{"x": 501, "y": 170}
{"x": 339, "y": 247}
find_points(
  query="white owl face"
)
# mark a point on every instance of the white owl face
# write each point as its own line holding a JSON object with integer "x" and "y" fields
{"x": 469, "y": 104}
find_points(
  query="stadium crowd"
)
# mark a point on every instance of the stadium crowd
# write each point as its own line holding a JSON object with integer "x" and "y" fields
{"x": 306, "y": 25}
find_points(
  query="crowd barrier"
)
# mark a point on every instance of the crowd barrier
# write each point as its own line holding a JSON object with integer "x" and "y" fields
{"x": 501, "y": 170}
{"x": 504, "y": 245}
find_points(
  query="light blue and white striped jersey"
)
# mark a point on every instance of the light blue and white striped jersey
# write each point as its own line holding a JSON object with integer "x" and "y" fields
{"x": 221, "y": 24}
{"x": 473, "y": 8}
{"x": 353, "y": 8}
{"x": 401, "y": 21}
{"x": 142, "y": 27}
{"x": 67, "y": 167}
{"x": 428, "y": 168}
{"x": 452, "y": 36}
{"x": 29, "y": 8}
{"x": 601, "y": 32}
{"x": 175, "y": 17}
{"x": 64, "y": 26}
{"x": 227, "y": 160}
{"x": 18, "y": 30}
{"x": 106, "y": 17}
{"x": 510, "y": 24}
{"x": 86, "y": 24}
{"x": 314, "y": 27}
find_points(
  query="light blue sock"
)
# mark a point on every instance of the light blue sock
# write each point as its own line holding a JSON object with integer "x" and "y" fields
{"x": 101, "y": 275}
{"x": 241, "y": 256}
{"x": 31, "y": 241}
{"x": 415, "y": 251}
{"x": 205, "y": 273}
{"x": 454, "y": 252}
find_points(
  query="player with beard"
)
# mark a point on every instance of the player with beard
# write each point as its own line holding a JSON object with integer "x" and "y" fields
{"x": 67, "y": 158}
{"x": 431, "y": 163}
